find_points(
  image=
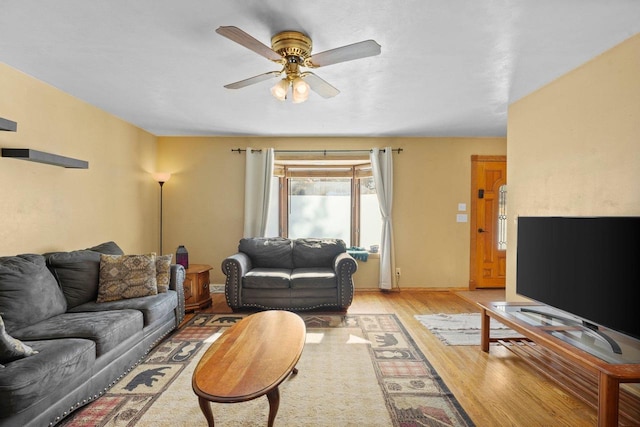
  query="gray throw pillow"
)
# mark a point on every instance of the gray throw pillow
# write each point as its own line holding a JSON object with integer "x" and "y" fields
{"x": 10, "y": 348}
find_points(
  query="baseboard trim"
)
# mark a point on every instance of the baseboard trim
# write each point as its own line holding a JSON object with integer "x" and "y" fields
{"x": 412, "y": 289}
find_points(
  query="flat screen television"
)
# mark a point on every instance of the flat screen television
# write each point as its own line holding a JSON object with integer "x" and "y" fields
{"x": 585, "y": 266}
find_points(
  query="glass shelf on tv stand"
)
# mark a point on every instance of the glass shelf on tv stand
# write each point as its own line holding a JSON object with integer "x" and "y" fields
{"x": 570, "y": 330}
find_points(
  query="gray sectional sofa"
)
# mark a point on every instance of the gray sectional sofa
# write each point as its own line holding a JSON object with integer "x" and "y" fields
{"x": 300, "y": 274}
{"x": 76, "y": 348}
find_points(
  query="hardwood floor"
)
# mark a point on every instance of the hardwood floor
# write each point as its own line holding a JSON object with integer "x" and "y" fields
{"x": 496, "y": 388}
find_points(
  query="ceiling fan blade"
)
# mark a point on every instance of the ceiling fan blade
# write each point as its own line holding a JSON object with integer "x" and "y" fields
{"x": 345, "y": 53}
{"x": 319, "y": 86}
{"x": 240, "y": 37}
{"x": 253, "y": 80}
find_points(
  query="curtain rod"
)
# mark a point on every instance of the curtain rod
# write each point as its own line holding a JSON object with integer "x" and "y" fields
{"x": 240, "y": 150}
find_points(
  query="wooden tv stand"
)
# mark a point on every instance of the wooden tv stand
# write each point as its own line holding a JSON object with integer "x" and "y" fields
{"x": 548, "y": 347}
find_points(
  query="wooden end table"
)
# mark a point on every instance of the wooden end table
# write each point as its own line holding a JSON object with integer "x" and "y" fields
{"x": 196, "y": 287}
{"x": 250, "y": 360}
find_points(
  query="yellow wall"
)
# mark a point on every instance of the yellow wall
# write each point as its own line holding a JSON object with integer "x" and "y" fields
{"x": 49, "y": 208}
{"x": 573, "y": 150}
{"x": 205, "y": 197}
{"x": 45, "y": 208}
{"x": 574, "y": 145}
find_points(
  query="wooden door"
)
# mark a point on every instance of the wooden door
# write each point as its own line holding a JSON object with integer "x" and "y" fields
{"x": 488, "y": 243}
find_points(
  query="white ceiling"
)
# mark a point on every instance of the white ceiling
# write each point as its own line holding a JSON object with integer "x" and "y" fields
{"x": 447, "y": 67}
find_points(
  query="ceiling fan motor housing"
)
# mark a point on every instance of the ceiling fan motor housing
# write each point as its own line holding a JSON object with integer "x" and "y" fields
{"x": 292, "y": 43}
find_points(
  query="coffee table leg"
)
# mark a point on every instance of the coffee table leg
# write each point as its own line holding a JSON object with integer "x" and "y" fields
{"x": 206, "y": 410}
{"x": 485, "y": 330}
{"x": 295, "y": 371}
{"x": 274, "y": 404}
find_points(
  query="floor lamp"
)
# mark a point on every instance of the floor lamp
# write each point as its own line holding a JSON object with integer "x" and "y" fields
{"x": 161, "y": 177}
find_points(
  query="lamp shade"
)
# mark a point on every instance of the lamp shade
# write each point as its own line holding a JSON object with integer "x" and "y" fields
{"x": 280, "y": 89}
{"x": 300, "y": 90}
{"x": 162, "y": 176}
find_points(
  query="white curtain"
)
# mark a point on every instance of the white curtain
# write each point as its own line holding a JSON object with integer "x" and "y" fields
{"x": 257, "y": 191}
{"x": 382, "y": 167}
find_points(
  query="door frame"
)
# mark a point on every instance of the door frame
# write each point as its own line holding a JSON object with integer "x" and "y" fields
{"x": 473, "y": 222}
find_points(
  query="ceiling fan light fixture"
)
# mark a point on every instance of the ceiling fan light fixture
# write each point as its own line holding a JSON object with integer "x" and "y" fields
{"x": 292, "y": 50}
{"x": 300, "y": 90}
{"x": 280, "y": 89}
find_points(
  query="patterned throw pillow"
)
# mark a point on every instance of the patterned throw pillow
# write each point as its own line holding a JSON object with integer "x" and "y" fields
{"x": 126, "y": 276}
{"x": 10, "y": 348}
{"x": 163, "y": 272}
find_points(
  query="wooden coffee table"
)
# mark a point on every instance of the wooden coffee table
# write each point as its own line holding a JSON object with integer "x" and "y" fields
{"x": 250, "y": 360}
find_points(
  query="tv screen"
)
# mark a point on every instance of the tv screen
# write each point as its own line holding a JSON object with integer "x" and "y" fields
{"x": 586, "y": 266}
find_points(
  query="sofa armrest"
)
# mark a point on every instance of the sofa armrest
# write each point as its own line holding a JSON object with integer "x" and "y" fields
{"x": 345, "y": 266}
{"x": 234, "y": 268}
{"x": 176, "y": 283}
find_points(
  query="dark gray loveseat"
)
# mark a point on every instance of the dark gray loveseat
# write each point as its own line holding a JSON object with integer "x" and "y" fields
{"x": 48, "y": 302}
{"x": 300, "y": 274}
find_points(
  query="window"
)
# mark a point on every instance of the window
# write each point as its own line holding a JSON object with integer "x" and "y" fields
{"x": 319, "y": 207}
{"x": 321, "y": 198}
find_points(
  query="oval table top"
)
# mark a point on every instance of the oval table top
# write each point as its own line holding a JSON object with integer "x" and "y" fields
{"x": 251, "y": 358}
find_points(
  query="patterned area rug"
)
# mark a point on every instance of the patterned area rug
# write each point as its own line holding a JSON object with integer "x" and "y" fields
{"x": 216, "y": 289}
{"x": 463, "y": 328}
{"x": 355, "y": 370}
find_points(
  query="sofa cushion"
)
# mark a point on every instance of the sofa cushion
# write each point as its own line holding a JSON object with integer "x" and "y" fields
{"x": 313, "y": 278}
{"x": 153, "y": 308}
{"x": 309, "y": 253}
{"x": 106, "y": 328}
{"x": 109, "y": 248}
{"x": 272, "y": 252}
{"x": 10, "y": 348}
{"x": 267, "y": 278}
{"x": 163, "y": 272}
{"x": 267, "y": 298}
{"x": 77, "y": 273}
{"x": 57, "y": 363}
{"x": 126, "y": 276}
{"x": 288, "y": 299}
{"x": 28, "y": 291}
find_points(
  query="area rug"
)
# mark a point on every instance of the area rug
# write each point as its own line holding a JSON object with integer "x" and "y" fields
{"x": 216, "y": 289}
{"x": 462, "y": 328}
{"x": 355, "y": 370}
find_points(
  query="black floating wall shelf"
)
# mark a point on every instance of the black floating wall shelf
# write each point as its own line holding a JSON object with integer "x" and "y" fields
{"x": 42, "y": 157}
{"x": 8, "y": 125}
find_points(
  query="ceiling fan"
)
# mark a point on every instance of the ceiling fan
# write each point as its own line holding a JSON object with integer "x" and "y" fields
{"x": 292, "y": 49}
